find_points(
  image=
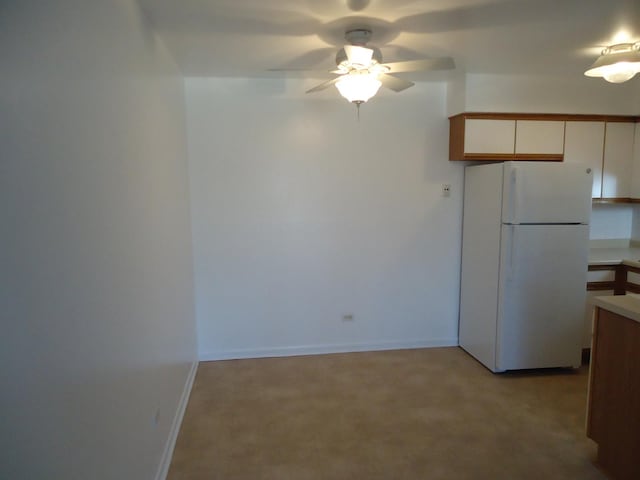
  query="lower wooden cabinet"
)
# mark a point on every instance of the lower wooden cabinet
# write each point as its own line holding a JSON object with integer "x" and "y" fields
{"x": 602, "y": 280}
{"x": 613, "y": 414}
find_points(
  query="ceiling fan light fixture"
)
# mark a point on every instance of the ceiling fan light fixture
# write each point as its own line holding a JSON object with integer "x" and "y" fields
{"x": 359, "y": 56}
{"x": 358, "y": 87}
{"x": 617, "y": 63}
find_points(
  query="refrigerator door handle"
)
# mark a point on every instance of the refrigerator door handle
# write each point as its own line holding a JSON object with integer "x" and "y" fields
{"x": 512, "y": 253}
{"x": 516, "y": 194}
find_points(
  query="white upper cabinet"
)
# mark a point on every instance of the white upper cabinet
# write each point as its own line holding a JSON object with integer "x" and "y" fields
{"x": 506, "y": 136}
{"x": 618, "y": 159}
{"x": 539, "y": 137}
{"x": 607, "y": 144}
{"x": 489, "y": 136}
{"x": 584, "y": 144}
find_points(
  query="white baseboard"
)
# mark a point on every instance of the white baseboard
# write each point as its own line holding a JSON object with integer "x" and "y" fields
{"x": 323, "y": 349}
{"x": 163, "y": 469}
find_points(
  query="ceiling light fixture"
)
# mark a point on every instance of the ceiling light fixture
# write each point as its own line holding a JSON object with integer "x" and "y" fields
{"x": 358, "y": 86}
{"x": 617, "y": 63}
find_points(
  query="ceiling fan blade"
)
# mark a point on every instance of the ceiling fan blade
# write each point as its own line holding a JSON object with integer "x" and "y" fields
{"x": 358, "y": 55}
{"x": 444, "y": 63}
{"x": 486, "y": 15}
{"x": 306, "y": 70}
{"x": 394, "y": 83}
{"x": 308, "y": 61}
{"x": 323, "y": 85}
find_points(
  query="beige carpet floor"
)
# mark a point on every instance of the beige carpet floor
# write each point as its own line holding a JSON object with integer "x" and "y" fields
{"x": 406, "y": 414}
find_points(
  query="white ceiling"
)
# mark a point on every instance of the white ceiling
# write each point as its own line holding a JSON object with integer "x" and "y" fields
{"x": 246, "y": 38}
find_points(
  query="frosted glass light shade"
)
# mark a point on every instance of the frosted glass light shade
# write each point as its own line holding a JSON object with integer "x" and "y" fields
{"x": 358, "y": 87}
{"x": 357, "y": 55}
{"x": 617, "y": 64}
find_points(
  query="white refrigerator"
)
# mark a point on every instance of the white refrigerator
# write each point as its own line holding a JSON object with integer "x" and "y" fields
{"x": 524, "y": 264}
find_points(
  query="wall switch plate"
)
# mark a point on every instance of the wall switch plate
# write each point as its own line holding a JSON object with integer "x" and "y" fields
{"x": 446, "y": 190}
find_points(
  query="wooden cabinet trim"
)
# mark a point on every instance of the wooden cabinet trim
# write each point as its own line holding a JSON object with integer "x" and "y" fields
{"x": 502, "y": 157}
{"x": 594, "y": 349}
{"x": 608, "y": 266}
{"x": 598, "y": 286}
{"x": 615, "y": 200}
{"x": 632, "y": 287}
{"x": 456, "y": 138}
{"x": 603, "y": 153}
{"x": 490, "y": 157}
{"x": 540, "y": 157}
{"x": 547, "y": 116}
{"x": 618, "y": 285}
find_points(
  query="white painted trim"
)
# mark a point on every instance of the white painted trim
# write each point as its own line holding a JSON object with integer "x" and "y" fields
{"x": 163, "y": 468}
{"x": 323, "y": 349}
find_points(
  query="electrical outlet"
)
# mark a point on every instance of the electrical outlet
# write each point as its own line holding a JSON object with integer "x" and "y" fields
{"x": 446, "y": 190}
{"x": 347, "y": 317}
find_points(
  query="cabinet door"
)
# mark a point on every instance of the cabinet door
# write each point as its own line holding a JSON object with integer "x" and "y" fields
{"x": 613, "y": 418}
{"x": 584, "y": 145}
{"x": 618, "y": 158}
{"x": 635, "y": 178}
{"x": 539, "y": 137}
{"x": 489, "y": 136}
{"x": 587, "y": 334}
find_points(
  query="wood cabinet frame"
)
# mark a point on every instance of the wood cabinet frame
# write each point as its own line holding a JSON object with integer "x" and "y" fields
{"x": 628, "y": 285}
{"x": 457, "y": 139}
{"x": 613, "y": 418}
{"x": 618, "y": 285}
{"x": 457, "y": 134}
{"x": 621, "y": 284}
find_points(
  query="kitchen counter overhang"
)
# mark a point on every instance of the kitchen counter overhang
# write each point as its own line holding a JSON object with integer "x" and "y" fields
{"x": 611, "y": 256}
{"x": 624, "y": 305}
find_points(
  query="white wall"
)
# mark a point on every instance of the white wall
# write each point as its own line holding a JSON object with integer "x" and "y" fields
{"x": 456, "y": 94}
{"x": 635, "y": 224}
{"x": 98, "y": 329}
{"x": 548, "y": 94}
{"x": 611, "y": 221}
{"x": 302, "y": 214}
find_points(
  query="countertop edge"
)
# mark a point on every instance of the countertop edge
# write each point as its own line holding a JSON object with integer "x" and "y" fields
{"x": 614, "y": 256}
{"x": 626, "y": 305}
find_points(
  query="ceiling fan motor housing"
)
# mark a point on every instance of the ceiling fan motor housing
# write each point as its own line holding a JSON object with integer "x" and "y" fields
{"x": 359, "y": 37}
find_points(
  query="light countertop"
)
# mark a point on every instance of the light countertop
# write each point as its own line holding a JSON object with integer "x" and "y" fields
{"x": 606, "y": 256}
{"x": 625, "y": 305}
{"x": 614, "y": 251}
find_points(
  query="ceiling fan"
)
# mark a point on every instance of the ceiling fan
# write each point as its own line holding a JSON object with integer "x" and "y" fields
{"x": 361, "y": 71}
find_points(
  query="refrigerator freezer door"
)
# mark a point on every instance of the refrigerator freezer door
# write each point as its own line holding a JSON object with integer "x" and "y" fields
{"x": 543, "y": 275}
{"x": 546, "y": 192}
